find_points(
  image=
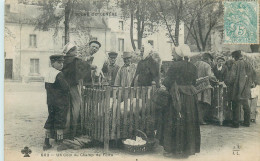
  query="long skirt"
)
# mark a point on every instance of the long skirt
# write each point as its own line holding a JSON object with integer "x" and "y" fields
{"x": 181, "y": 136}
{"x": 73, "y": 124}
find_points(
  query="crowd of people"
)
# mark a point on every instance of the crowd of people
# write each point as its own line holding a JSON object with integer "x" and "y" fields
{"x": 188, "y": 107}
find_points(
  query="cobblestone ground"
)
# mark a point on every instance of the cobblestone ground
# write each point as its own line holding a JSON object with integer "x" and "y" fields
{"x": 26, "y": 112}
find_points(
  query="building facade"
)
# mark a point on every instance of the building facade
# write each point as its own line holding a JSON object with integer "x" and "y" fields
{"x": 27, "y": 50}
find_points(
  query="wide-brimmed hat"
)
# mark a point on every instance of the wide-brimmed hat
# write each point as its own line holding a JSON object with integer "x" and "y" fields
{"x": 221, "y": 58}
{"x": 112, "y": 54}
{"x": 68, "y": 48}
{"x": 94, "y": 41}
{"x": 126, "y": 55}
{"x": 57, "y": 57}
{"x": 183, "y": 50}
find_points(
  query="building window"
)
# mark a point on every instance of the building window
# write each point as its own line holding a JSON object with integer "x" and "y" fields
{"x": 33, "y": 42}
{"x": 150, "y": 42}
{"x": 121, "y": 25}
{"x": 63, "y": 41}
{"x": 121, "y": 45}
{"x": 7, "y": 8}
{"x": 34, "y": 66}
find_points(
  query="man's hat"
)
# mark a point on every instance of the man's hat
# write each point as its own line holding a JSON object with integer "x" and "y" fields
{"x": 96, "y": 42}
{"x": 57, "y": 57}
{"x": 126, "y": 55}
{"x": 207, "y": 55}
{"x": 112, "y": 54}
{"x": 237, "y": 53}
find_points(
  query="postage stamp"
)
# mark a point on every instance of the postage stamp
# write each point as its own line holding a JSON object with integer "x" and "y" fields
{"x": 241, "y": 22}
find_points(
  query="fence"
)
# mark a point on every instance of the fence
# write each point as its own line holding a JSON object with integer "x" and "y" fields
{"x": 112, "y": 113}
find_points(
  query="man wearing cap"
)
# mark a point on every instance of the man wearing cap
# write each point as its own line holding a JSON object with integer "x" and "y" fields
{"x": 57, "y": 90}
{"x": 110, "y": 68}
{"x": 126, "y": 73}
{"x": 204, "y": 97}
{"x": 219, "y": 69}
{"x": 96, "y": 59}
{"x": 242, "y": 78}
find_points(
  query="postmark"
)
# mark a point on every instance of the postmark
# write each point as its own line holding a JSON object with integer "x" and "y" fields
{"x": 241, "y": 22}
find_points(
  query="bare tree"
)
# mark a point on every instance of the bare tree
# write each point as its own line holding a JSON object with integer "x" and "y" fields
{"x": 201, "y": 17}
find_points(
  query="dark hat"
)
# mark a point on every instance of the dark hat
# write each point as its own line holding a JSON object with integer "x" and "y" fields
{"x": 221, "y": 57}
{"x": 207, "y": 55}
{"x": 112, "y": 54}
{"x": 96, "y": 42}
{"x": 237, "y": 54}
{"x": 126, "y": 55}
{"x": 57, "y": 57}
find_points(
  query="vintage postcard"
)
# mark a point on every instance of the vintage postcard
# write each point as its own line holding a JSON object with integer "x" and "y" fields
{"x": 133, "y": 80}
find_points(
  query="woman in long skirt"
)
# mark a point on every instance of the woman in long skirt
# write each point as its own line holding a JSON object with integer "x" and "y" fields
{"x": 180, "y": 125}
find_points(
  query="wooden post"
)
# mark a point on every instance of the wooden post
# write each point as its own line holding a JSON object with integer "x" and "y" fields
{"x": 125, "y": 111}
{"x": 119, "y": 97}
{"x": 152, "y": 104}
{"x": 131, "y": 111}
{"x": 99, "y": 114}
{"x": 103, "y": 114}
{"x": 106, "y": 132}
{"x": 91, "y": 112}
{"x": 143, "y": 109}
{"x": 86, "y": 103}
{"x": 137, "y": 114}
{"x": 113, "y": 131}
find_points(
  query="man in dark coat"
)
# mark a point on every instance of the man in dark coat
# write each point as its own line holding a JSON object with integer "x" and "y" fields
{"x": 75, "y": 69}
{"x": 57, "y": 90}
{"x": 110, "y": 68}
{"x": 219, "y": 69}
{"x": 242, "y": 78}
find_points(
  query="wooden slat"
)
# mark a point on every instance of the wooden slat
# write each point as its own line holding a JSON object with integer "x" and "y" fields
{"x": 143, "y": 109}
{"x": 113, "y": 131}
{"x": 119, "y": 97}
{"x": 147, "y": 107}
{"x": 82, "y": 109}
{"x": 106, "y": 132}
{"x": 86, "y": 110}
{"x": 95, "y": 113}
{"x": 99, "y": 114}
{"x": 152, "y": 104}
{"x": 131, "y": 111}
{"x": 103, "y": 114}
{"x": 125, "y": 111}
{"x": 137, "y": 109}
{"x": 91, "y": 113}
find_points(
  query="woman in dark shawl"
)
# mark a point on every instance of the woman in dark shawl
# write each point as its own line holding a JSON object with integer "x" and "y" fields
{"x": 180, "y": 127}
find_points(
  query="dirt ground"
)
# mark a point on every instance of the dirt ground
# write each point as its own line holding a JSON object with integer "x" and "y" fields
{"x": 26, "y": 112}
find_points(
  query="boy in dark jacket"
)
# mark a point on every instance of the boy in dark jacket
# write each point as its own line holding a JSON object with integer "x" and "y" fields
{"x": 57, "y": 90}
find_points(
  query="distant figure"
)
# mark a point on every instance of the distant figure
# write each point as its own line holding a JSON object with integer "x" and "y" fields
{"x": 219, "y": 69}
{"x": 181, "y": 129}
{"x": 110, "y": 68}
{"x": 125, "y": 74}
{"x": 242, "y": 78}
{"x": 205, "y": 70}
{"x": 57, "y": 90}
{"x": 227, "y": 74}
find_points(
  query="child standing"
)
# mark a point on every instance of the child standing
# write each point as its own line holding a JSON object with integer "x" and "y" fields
{"x": 57, "y": 90}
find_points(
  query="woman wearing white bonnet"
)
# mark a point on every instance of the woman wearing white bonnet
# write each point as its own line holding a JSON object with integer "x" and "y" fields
{"x": 180, "y": 133}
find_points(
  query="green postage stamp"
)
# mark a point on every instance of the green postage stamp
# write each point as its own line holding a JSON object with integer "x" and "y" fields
{"x": 241, "y": 22}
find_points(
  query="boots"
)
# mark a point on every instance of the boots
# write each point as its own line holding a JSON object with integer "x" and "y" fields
{"x": 47, "y": 144}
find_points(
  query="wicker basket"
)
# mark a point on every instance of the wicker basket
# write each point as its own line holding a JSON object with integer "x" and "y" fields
{"x": 140, "y": 149}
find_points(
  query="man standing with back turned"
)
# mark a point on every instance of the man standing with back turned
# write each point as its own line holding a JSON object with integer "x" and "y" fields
{"x": 242, "y": 78}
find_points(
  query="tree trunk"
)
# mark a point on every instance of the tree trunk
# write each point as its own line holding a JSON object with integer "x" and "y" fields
{"x": 67, "y": 21}
{"x": 131, "y": 29}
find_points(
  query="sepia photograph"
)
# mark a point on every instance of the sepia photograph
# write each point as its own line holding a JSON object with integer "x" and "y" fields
{"x": 136, "y": 80}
